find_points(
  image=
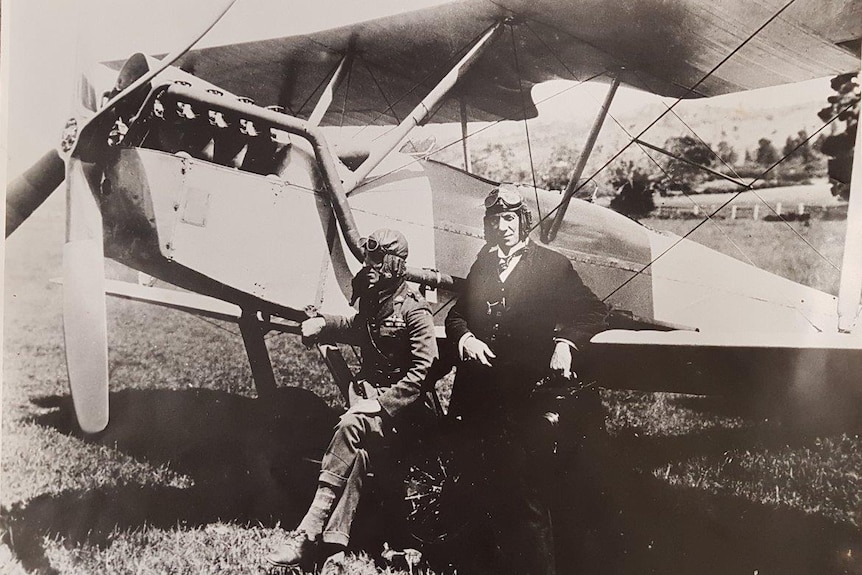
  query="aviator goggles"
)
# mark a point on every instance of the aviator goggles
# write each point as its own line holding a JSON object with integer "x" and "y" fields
{"x": 503, "y": 199}
{"x": 372, "y": 245}
{"x": 376, "y": 249}
{"x": 374, "y": 252}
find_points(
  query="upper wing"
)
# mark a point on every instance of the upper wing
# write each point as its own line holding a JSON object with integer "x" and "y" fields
{"x": 668, "y": 48}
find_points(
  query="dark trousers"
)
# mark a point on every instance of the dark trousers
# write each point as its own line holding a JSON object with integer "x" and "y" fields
{"x": 491, "y": 403}
{"x": 358, "y": 438}
{"x": 519, "y": 515}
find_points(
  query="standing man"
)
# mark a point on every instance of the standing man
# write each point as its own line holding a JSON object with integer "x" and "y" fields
{"x": 395, "y": 332}
{"x": 524, "y": 313}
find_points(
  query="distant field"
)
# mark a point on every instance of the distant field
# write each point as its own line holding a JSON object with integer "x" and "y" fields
{"x": 806, "y": 253}
{"x": 789, "y": 196}
{"x": 194, "y": 475}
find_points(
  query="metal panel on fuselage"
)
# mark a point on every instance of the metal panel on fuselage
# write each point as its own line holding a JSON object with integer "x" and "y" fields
{"x": 251, "y": 233}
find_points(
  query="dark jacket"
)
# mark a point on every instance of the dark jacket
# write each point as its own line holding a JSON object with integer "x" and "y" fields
{"x": 542, "y": 299}
{"x": 397, "y": 342}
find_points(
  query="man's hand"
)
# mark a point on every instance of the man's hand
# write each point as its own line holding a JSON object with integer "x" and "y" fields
{"x": 476, "y": 350}
{"x": 366, "y": 406}
{"x": 312, "y": 327}
{"x": 561, "y": 360}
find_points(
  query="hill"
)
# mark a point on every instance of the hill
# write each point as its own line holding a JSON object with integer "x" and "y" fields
{"x": 738, "y": 121}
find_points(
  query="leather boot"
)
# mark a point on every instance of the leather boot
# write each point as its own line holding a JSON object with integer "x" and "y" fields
{"x": 299, "y": 549}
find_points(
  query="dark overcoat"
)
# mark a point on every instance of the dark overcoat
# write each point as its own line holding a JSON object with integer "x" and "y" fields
{"x": 542, "y": 299}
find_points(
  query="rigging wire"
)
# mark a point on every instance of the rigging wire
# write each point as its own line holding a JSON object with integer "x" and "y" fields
{"x": 346, "y": 95}
{"x": 676, "y": 102}
{"x": 763, "y": 201}
{"x": 478, "y": 131}
{"x": 214, "y": 324}
{"x": 752, "y": 190}
{"x": 428, "y": 76}
{"x": 736, "y": 195}
{"x": 385, "y": 97}
{"x": 524, "y": 113}
{"x": 316, "y": 88}
{"x": 628, "y": 134}
{"x": 694, "y": 202}
{"x": 669, "y": 109}
{"x": 389, "y": 105}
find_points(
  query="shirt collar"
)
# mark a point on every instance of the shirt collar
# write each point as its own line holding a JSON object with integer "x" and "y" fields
{"x": 519, "y": 247}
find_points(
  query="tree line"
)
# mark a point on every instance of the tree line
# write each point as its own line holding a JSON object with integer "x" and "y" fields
{"x": 633, "y": 182}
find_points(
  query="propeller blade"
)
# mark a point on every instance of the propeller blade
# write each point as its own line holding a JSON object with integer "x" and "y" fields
{"x": 84, "y": 314}
{"x": 27, "y": 192}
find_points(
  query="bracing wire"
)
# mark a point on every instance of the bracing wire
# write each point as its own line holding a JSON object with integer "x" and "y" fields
{"x": 480, "y": 130}
{"x": 676, "y": 102}
{"x": 427, "y": 77}
{"x": 731, "y": 199}
{"x": 389, "y": 105}
{"x": 669, "y": 109}
{"x": 628, "y": 134}
{"x": 318, "y": 87}
{"x": 712, "y": 220}
{"x": 526, "y": 124}
{"x": 752, "y": 190}
{"x": 216, "y": 325}
{"x": 346, "y": 96}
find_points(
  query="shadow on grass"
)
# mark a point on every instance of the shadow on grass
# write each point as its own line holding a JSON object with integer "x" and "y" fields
{"x": 626, "y": 521}
{"x": 251, "y": 461}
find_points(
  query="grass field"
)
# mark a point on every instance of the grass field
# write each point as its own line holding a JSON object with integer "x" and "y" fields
{"x": 808, "y": 254}
{"x": 812, "y": 194}
{"x": 182, "y": 481}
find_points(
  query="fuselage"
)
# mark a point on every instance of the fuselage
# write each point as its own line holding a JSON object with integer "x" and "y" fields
{"x": 273, "y": 243}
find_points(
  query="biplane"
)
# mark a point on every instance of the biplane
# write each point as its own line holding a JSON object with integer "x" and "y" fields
{"x": 211, "y": 169}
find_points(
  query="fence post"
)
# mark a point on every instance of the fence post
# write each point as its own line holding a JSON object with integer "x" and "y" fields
{"x": 801, "y": 209}
{"x": 778, "y": 208}
{"x": 756, "y": 214}
{"x": 732, "y": 212}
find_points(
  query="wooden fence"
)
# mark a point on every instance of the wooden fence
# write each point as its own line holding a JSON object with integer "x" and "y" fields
{"x": 778, "y": 211}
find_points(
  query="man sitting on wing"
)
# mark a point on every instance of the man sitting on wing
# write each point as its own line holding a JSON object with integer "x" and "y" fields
{"x": 395, "y": 331}
{"x": 524, "y": 312}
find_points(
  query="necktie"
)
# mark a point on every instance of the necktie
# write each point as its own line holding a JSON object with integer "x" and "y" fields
{"x": 506, "y": 261}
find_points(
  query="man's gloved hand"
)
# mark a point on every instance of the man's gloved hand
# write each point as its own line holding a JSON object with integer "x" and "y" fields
{"x": 561, "y": 360}
{"x": 312, "y": 327}
{"x": 477, "y": 350}
{"x": 366, "y": 406}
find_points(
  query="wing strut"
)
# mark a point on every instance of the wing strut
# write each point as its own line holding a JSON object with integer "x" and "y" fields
{"x": 421, "y": 111}
{"x": 253, "y": 331}
{"x": 468, "y": 165}
{"x": 550, "y": 232}
{"x": 850, "y": 288}
{"x": 325, "y": 100}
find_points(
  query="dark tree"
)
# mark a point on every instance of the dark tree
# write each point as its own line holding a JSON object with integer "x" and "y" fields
{"x": 634, "y": 191}
{"x": 839, "y": 147}
{"x": 766, "y": 154}
{"x": 726, "y": 154}
{"x": 692, "y": 150}
{"x": 799, "y": 148}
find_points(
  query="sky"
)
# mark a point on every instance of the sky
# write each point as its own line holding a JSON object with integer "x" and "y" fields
{"x": 48, "y": 40}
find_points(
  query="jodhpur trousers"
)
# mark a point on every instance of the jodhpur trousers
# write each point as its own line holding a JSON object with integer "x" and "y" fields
{"x": 345, "y": 465}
